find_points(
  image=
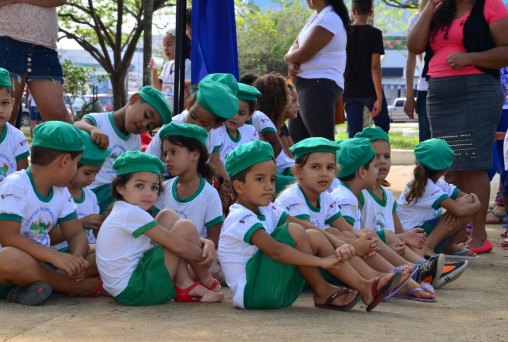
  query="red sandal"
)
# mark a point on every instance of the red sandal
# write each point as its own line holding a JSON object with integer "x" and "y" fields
{"x": 183, "y": 295}
{"x": 215, "y": 286}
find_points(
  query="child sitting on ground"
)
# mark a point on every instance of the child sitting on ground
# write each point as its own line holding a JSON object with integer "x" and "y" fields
{"x": 13, "y": 145}
{"x": 420, "y": 202}
{"x": 87, "y": 206}
{"x": 379, "y": 212}
{"x": 315, "y": 168}
{"x": 266, "y": 260}
{"x": 143, "y": 261}
{"x": 120, "y": 132}
{"x": 32, "y": 202}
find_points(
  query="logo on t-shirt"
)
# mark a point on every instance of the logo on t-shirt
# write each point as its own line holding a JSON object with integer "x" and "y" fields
{"x": 6, "y": 196}
{"x": 116, "y": 151}
{"x": 243, "y": 219}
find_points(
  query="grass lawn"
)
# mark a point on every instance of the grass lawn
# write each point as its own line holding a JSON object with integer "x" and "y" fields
{"x": 397, "y": 141}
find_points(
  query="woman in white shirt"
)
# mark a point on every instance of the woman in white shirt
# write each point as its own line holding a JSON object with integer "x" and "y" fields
{"x": 317, "y": 59}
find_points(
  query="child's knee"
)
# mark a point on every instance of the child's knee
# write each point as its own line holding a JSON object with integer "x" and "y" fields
{"x": 167, "y": 218}
{"x": 12, "y": 260}
{"x": 297, "y": 232}
{"x": 185, "y": 229}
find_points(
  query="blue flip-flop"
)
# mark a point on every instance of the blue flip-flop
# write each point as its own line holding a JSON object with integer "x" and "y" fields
{"x": 462, "y": 255}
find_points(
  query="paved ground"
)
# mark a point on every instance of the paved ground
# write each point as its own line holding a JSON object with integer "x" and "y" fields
{"x": 474, "y": 308}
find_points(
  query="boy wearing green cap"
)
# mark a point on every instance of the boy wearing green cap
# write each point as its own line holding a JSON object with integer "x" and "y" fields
{"x": 32, "y": 202}
{"x": 145, "y": 261}
{"x": 265, "y": 260}
{"x": 14, "y": 150}
{"x": 120, "y": 132}
{"x": 87, "y": 205}
{"x": 420, "y": 203}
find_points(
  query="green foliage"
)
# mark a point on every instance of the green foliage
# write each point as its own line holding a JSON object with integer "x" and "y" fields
{"x": 397, "y": 140}
{"x": 265, "y": 35}
{"x": 78, "y": 79}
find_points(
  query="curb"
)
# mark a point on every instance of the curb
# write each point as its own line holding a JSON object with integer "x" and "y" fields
{"x": 403, "y": 157}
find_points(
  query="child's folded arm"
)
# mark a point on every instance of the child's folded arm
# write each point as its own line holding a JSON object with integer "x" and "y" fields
{"x": 72, "y": 231}
{"x": 462, "y": 208}
{"x": 174, "y": 244}
{"x": 98, "y": 136}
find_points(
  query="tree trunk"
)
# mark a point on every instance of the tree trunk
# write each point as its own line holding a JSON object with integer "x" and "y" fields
{"x": 147, "y": 37}
{"x": 119, "y": 90}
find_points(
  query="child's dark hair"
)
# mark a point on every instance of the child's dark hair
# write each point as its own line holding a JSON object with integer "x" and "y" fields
{"x": 417, "y": 187}
{"x": 353, "y": 175}
{"x": 44, "y": 156}
{"x": 204, "y": 169}
{"x": 191, "y": 99}
{"x": 122, "y": 180}
{"x": 252, "y": 106}
{"x": 9, "y": 90}
{"x": 249, "y": 78}
{"x": 274, "y": 96}
{"x": 362, "y": 7}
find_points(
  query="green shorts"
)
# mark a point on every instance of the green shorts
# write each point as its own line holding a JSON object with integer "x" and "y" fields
{"x": 270, "y": 284}
{"x": 428, "y": 226}
{"x": 150, "y": 283}
{"x": 104, "y": 196}
{"x": 282, "y": 181}
{"x": 381, "y": 235}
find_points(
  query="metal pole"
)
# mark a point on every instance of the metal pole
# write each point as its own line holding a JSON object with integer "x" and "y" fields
{"x": 181, "y": 7}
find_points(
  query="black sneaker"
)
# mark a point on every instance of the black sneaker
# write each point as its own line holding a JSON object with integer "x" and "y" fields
{"x": 451, "y": 271}
{"x": 33, "y": 294}
{"x": 430, "y": 270}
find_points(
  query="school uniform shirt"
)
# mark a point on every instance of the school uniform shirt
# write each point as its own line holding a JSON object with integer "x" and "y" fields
{"x": 428, "y": 206}
{"x": 335, "y": 183}
{"x": 348, "y": 204}
{"x": 293, "y": 200}
{"x": 262, "y": 123}
{"x": 20, "y": 201}
{"x": 118, "y": 144}
{"x": 203, "y": 208}
{"x": 167, "y": 78}
{"x": 235, "y": 247}
{"x": 377, "y": 213}
{"x": 86, "y": 205}
{"x": 13, "y": 147}
{"x": 283, "y": 162}
{"x": 121, "y": 244}
{"x": 225, "y": 142}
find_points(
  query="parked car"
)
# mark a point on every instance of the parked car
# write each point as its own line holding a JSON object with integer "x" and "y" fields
{"x": 396, "y": 111}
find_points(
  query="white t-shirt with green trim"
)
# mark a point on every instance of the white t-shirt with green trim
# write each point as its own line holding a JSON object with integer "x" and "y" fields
{"x": 37, "y": 214}
{"x": 293, "y": 200}
{"x": 13, "y": 147}
{"x": 227, "y": 143}
{"x": 121, "y": 244}
{"x": 235, "y": 247}
{"x": 348, "y": 204}
{"x": 262, "y": 123}
{"x": 283, "y": 162}
{"x": 377, "y": 213}
{"x": 426, "y": 207}
{"x": 203, "y": 208}
{"x": 87, "y": 205}
{"x": 118, "y": 144}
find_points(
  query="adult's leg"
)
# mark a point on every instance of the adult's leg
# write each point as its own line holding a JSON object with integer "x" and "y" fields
{"x": 18, "y": 84}
{"x": 354, "y": 111}
{"x": 48, "y": 95}
{"x": 423, "y": 119}
{"x": 317, "y": 98}
{"x": 297, "y": 129}
{"x": 382, "y": 120}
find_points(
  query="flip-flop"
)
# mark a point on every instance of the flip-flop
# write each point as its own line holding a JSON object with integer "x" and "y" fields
{"x": 329, "y": 302}
{"x": 379, "y": 296}
{"x": 215, "y": 286}
{"x": 500, "y": 217}
{"x": 397, "y": 289}
{"x": 409, "y": 295}
{"x": 462, "y": 254}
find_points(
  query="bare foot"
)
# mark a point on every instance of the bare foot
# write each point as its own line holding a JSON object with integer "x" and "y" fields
{"x": 346, "y": 297}
{"x": 368, "y": 294}
{"x": 207, "y": 296}
{"x": 421, "y": 294}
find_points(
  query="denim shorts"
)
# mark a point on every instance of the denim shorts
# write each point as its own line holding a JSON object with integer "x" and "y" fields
{"x": 35, "y": 61}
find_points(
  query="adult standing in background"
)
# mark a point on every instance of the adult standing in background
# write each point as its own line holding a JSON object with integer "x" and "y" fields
{"x": 420, "y": 105}
{"x": 28, "y": 36}
{"x": 317, "y": 60}
{"x": 465, "y": 44}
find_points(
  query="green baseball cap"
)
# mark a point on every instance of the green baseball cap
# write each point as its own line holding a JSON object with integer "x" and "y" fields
{"x": 5, "y": 78}
{"x": 311, "y": 145}
{"x": 217, "y": 94}
{"x": 247, "y": 92}
{"x": 93, "y": 155}
{"x": 353, "y": 154}
{"x": 58, "y": 135}
{"x": 373, "y": 133}
{"x": 435, "y": 154}
{"x": 136, "y": 161}
{"x": 155, "y": 99}
{"x": 247, "y": 155}
{"x": 185, "y": 130}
